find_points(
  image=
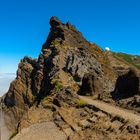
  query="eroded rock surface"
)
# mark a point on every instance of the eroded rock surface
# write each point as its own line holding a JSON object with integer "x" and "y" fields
{"x": 44, "y": 96}
{"x": 127, "y": 85}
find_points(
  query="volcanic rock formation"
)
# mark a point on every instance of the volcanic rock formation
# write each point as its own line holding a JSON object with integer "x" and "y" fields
{"x": 66, "y": 59}
{"x": 127, "y": 85}
{"x": 46, "y": 89}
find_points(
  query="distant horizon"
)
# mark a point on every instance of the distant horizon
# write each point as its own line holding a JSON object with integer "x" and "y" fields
{"x": 25, "y": 26}
{"x": 5, "y": 80}
{"x": 10, "y": 74}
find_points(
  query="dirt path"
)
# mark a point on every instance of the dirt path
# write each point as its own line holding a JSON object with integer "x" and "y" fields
{"x": 126, "y": 114}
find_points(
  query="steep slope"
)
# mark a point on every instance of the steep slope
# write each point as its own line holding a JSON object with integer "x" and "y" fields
{"x": 129, "y": 59}
{"x": 127, "y": 89}
{"x": 65, "y": 54}
{"x": 45, "y": 91}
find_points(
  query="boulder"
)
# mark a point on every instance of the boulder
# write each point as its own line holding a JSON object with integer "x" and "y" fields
{"x": 127, "y": 85}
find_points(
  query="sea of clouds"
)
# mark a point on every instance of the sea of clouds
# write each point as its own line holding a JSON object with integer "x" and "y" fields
{"x": 5, "y": 80}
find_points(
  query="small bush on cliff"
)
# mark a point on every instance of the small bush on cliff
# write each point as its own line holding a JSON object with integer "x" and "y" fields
{"x": 57, "y": 84}
{"x": 81, "y": 103}
{"x": 56, "y": 42}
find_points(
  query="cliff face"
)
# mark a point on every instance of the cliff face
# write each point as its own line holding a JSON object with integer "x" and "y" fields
{"x": 68, "y": 65}
{"x": 67, "y": 58}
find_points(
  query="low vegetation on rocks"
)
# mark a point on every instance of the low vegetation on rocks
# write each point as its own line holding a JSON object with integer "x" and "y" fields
{"x": 81, "y": 103}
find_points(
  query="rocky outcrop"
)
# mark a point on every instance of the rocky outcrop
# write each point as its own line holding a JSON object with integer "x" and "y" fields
{"x": 91, "y": 85}
{"x": 127, "y": 85}
{"x": 68, "y": 65}
{"x": 67, "y": 61}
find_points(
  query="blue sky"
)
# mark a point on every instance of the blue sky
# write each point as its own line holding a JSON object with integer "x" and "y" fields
{"x": 24, "y": 25}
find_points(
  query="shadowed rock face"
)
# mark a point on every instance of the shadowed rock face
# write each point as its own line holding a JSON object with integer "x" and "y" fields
{"x": 127, "y": 85}
{"x": 90, "y": 85}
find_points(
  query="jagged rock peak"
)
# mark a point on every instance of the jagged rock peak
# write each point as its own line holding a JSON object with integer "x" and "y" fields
{"x": 54, "y": 21}
{"x": 65, "y": 35}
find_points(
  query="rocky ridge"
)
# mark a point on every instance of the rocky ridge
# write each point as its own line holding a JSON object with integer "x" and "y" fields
{"x": 45, "y": 91}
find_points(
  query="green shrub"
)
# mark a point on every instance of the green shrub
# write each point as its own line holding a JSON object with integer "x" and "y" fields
{"x": 55, "y": 42}
{"x": 81, "y": 103}
{"x": 57, "y": 84}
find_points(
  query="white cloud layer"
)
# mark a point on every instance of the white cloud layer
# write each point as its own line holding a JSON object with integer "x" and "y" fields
{"x": 5, "y": 80}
